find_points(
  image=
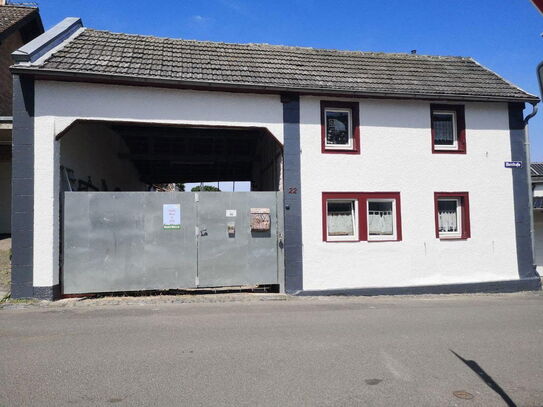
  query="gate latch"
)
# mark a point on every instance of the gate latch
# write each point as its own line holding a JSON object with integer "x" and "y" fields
{"x": 203, "y": 231}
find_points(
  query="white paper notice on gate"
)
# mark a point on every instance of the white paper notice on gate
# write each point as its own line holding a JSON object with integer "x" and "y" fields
{"x": 171, "y": 216}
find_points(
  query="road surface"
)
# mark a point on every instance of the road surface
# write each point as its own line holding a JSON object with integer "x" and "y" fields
{"x": 478, "y": 350}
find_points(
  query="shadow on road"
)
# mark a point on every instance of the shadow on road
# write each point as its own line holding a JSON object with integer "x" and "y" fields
{"x": 473, "y": 365}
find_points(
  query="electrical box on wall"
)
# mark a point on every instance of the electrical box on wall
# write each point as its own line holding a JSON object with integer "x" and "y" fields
{"x": 260, "y": 219}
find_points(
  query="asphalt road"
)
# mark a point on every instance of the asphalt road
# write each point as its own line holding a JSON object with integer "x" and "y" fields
{"x": 307, "y": 352}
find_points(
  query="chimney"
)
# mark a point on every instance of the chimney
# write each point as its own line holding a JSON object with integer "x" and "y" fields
{"x": 413, "y": 51}
{"x": 2, "y": 2}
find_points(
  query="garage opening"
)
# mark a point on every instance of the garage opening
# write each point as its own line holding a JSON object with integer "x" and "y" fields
{"x": 140, "y": 157}
{"x": 124, "y": 228}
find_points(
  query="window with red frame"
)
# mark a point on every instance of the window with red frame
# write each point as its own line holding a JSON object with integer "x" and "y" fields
{"x": 361, "y": 216}
{"x": 448, "y": 128}
{"x": 340, "y": 133}
{"x": 452, "y": 215}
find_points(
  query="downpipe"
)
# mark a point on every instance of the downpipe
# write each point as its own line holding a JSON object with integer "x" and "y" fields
{"x": 527, "y": 147}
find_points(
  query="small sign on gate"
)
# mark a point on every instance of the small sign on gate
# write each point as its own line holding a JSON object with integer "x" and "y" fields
{"x": 171, "y": 216}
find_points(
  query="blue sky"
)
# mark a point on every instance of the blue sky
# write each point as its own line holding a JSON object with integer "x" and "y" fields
{"x": 504, "y": 35}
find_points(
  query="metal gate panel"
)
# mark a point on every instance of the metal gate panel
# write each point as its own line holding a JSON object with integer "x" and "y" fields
{"x": 244, "y": 258}
{"x": 116, "y": 242}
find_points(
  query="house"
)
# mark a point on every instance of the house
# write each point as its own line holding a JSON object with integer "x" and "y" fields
{"x": 18, "y": 25}
{"x": 537, "y": 188}
{"x": 369, "y": 171}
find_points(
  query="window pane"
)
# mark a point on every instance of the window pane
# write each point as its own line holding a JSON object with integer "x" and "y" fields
{"x": 340, "y": 218}
{"x": 380, "y": 219}
{"x": 337, "y": 128}
{"x": 448, "y": 215}
{"x": 443, "y": 129}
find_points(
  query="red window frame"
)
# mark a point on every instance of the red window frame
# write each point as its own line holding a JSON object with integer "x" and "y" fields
{"x": 362, "y": 199}
{"x": 460, "y": 127}
{"x": 355, "y": 118}
{"x": 464, "y": 207}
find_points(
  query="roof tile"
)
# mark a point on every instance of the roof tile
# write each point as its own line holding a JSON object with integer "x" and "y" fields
{"x": 11, "y": 15}
{"x": 102, "y": 52}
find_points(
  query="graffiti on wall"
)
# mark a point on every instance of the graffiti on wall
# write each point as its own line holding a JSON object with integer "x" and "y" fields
{"x": 72, "y": 183}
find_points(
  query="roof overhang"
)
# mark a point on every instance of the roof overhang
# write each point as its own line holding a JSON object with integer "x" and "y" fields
{"x": 93, "y": 77}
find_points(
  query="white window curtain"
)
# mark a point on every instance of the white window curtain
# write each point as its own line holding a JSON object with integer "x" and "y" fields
{"x": 340, "y": 219}
{"x": 380, "y": 218}
{"x": 380, "y": 222}
{"x": 448, "y": 216}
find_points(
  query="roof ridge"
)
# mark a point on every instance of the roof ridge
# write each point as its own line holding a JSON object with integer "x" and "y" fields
{"x": 19, "y": 6}
{"x": 294, "y": 47}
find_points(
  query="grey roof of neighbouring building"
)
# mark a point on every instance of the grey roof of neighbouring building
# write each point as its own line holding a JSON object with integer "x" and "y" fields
{"x": 97, "y": 54}
{"x": 12, "y": 16}
{"x": 537, "y": 170}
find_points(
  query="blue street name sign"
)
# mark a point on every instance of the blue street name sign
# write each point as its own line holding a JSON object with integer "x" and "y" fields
{"x": 513, "y": 164}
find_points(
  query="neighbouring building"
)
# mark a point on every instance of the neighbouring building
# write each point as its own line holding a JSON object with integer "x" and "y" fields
{"x": 18, "y": 25}
{"x": 537, "y": 188}
{"x": 369, "y": 171}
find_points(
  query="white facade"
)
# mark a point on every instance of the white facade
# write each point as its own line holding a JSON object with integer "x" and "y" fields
{"x": 538, "y": 240}
{"x": 538, "y": 230}
{"x": 59, "y": 104}
{"x": 396, "y": 156}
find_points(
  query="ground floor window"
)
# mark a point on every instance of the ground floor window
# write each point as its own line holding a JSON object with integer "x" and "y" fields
{"x": 342, "y": 219}
{"x": 381, "y": 219}
{"x": 361, "y": 216}
{"x": 452, "y": 215}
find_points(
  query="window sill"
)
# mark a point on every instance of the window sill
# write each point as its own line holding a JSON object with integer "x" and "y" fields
{"x": 434, "y": 151}
{"x": 339, "y": 151}
{"x": 341, "y": 241}
{"x": 381, "y": 241}
{"x": 453, "y": 238}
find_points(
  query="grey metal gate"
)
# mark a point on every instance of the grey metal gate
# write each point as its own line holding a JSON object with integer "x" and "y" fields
{"x": 130, "y": 241}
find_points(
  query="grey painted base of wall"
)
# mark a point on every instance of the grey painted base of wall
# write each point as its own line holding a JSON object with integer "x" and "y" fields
{"x": 527, "y": 284}
{"x": 47, "y": 293}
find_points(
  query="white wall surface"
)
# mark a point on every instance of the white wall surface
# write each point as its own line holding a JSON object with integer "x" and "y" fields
{"x": 396, "y": 156}
{"x": 58, "y": 104}
{"x": 538, "y": 237}
{"x": 5, "y": 196}
{"x": 538, "y": 191}
{"x": 91, "y": 150}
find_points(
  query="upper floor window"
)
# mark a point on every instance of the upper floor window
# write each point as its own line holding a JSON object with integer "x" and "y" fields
{"x": 448, "y": 129}
{"x": 340, "y": 127}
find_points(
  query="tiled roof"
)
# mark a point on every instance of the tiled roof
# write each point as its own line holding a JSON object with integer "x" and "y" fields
{"x": 537, "y": 169}
{"x": 11, "y": 15}
{"x": 280, "y": 67}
